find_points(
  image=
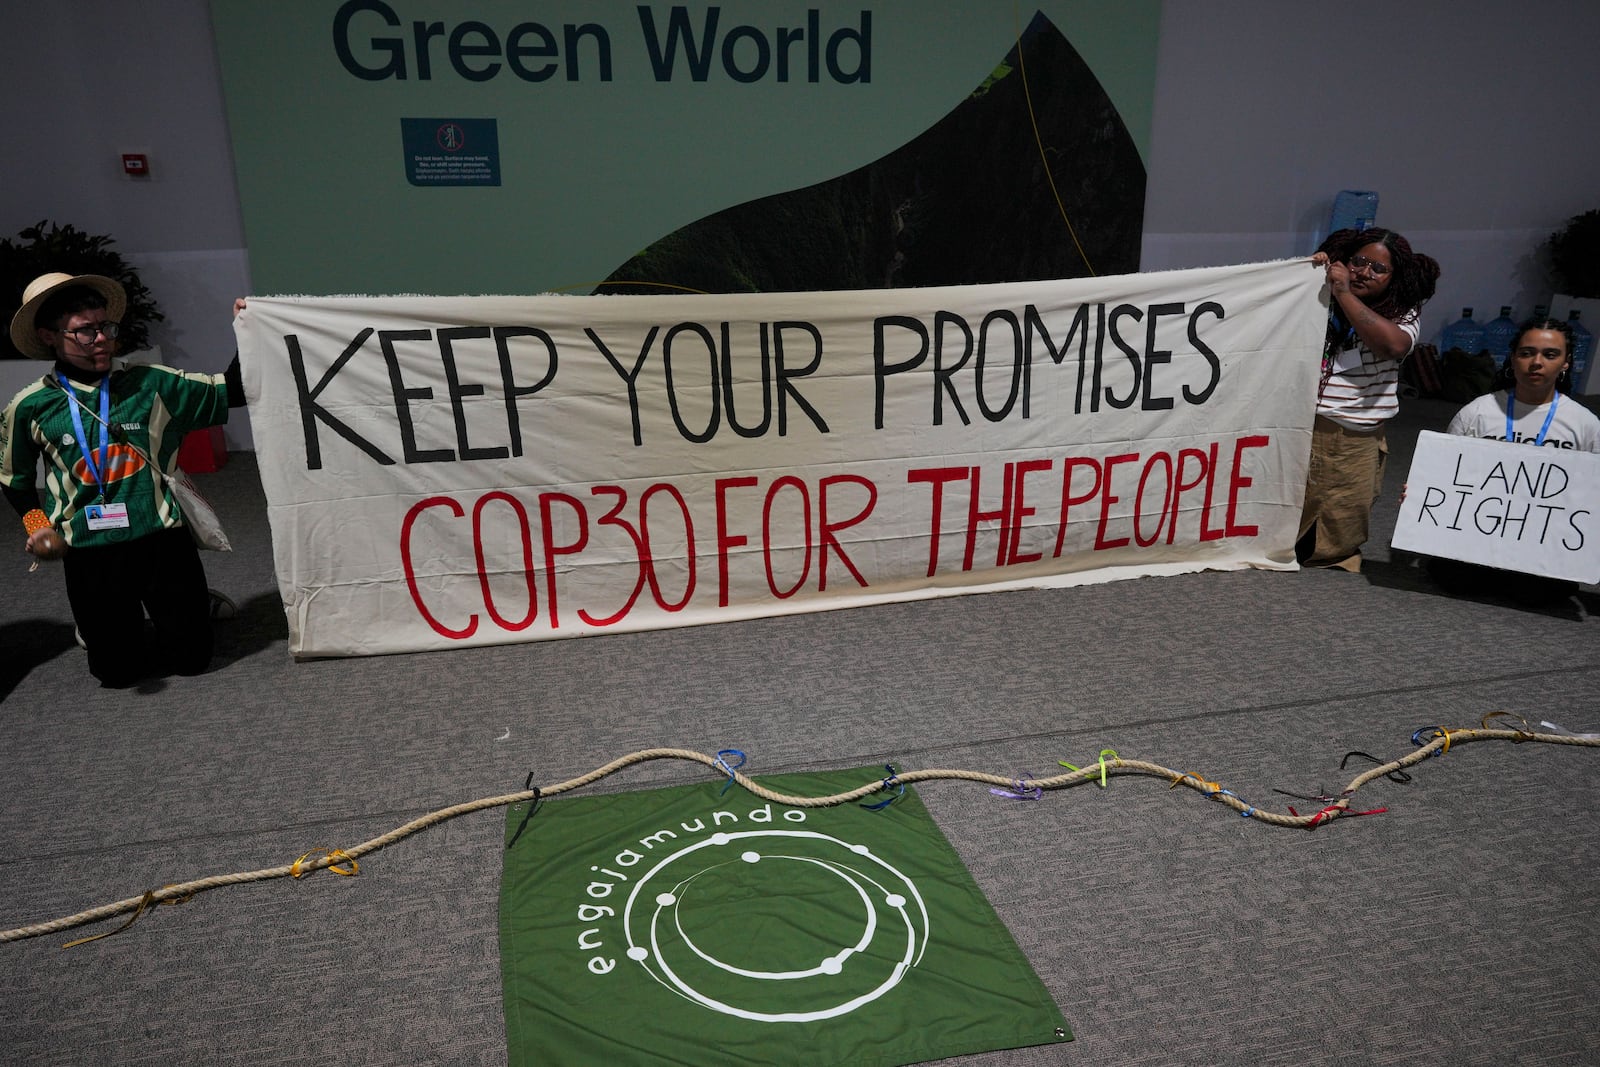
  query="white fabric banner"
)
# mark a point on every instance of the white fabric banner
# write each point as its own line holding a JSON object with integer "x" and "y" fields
{"x": 446, "y": 471}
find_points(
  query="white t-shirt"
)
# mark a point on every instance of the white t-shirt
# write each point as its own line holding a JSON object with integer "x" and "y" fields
{"x": 1359, "y": 390}
{"x": 1573, "y": 426}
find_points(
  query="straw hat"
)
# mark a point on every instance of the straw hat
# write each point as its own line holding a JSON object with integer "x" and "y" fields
{"x": 41, "y": 289}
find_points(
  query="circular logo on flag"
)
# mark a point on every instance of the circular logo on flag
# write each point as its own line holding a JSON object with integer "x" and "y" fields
{"x": 776, "y": 925}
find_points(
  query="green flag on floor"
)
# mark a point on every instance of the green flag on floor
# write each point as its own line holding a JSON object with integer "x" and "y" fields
{"x": 695, "y": 926}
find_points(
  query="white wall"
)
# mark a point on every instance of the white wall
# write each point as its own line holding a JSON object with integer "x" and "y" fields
{"x": 150, "y": 84}
{"x": 1473, "y": 119}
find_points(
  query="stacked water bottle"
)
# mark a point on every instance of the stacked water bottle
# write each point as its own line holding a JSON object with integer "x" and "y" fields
{"x": 1498, "y": 333}
{"x": 1469, "y": 336}
{"x": 1463, "y": 335}
{"x": 1582, "y": 349}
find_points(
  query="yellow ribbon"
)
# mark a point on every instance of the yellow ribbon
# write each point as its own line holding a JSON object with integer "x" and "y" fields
{"x": 145, "y": 901}
{"x": 337, "y": 855}
{"x": 1104, "y": 752}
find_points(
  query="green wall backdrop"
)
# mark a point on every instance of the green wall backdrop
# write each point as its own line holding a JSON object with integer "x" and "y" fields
{"x": 620, "y": 124}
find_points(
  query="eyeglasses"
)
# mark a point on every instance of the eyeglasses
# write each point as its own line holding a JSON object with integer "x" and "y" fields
{"x": 85, "y": 335}
{"x": 1360, "y": 263}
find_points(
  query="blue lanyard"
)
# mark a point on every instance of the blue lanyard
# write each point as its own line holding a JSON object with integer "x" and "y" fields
{"x": 105, "y": 422}
{"x": 1511, "y": 403}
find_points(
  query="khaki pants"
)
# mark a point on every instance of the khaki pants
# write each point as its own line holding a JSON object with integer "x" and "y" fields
{"x": 1342, "y": 484}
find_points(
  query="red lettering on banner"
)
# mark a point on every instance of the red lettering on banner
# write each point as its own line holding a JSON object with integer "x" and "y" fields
{"x": 1164, "y": 480}
{"x": 552, "y": 550}
{"x": 527, "y": 559}
{"x": 937, "y": 477}
{"x": 411, "y": 575}
{"x": 1012, "y": 552}
{"x": 726, "y": 540}
{"x": 1068, "y": 500}
{"x": 649, "y": 553}
{"x": 800, "y": 521}
{"x": 1165, "y": 460}
{"x": 1107, "y": 499}
{"x": 1206, "y": 467}
{"x": 830, "y": 528}
{"x": 1237, "y": 481}
{"x": 1002, "y": 514}
{"x": 788, "y": 480}
{"x": 611, "y": 518}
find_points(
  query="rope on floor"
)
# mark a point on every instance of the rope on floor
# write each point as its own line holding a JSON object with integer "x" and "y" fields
{"x": 1442, "y": 740}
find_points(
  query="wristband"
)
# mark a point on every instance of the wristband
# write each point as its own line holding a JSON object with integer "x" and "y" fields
{"x": 35, "y": 520}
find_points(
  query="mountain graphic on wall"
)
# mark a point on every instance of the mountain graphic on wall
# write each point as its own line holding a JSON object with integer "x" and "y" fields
{"x": 985, "y": 195}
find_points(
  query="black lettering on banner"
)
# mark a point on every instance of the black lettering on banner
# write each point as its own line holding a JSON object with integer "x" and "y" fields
{"x": 1154, "y": 357}
{"x": 784, "y": 373}
{"x": 882, "y": 368}
{"x": 1079, "y": 329}
{"x": 404, "y": 395}
{"x": 629, "y": 377}
{"x": 715, "y": 418}
{"x": 1020, "y": 367}
{"x": 760, "y": 429}
{"x": 457, "y": 391}
{"x": 941, "y": 372}
{"x": 1119, "y": 312}
{"x": 508, "y": 384}
{"x": 1210, "y": 307}
{"x": 311, "y": 411}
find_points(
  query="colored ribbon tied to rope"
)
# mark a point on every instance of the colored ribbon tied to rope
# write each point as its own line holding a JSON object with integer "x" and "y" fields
{"x": 723, "y": 765}
{"x": 533, "y": 806}
{"x": 1020, "y": 790}
{"x": 338, "y": 855}
{"x": 889, "y": 783}
{"x": 1104, "y": 752}
{"x": 1437, "y": 732}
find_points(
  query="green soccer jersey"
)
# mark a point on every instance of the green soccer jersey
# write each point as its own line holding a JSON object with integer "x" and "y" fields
{"x": 151, "y": 408}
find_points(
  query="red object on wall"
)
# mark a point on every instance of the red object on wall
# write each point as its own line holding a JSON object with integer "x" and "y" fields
{"x": 203, "y": 451}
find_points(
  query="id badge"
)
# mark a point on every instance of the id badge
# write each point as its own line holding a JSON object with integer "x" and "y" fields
{"x": 106, "y": 516}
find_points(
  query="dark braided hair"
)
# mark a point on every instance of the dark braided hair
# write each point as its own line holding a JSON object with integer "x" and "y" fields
{"x": 1411, "y": 285}
{"x": 1505, "y": 378}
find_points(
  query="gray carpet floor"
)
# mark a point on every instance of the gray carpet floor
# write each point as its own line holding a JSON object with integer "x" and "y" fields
{"x": 1458, "y": 928}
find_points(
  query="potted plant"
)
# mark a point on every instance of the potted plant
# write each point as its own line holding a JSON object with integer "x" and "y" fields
{"x": 1575, "y": 256}
{"x": 1573, "y": 253}
{"x": 47, "y": 247}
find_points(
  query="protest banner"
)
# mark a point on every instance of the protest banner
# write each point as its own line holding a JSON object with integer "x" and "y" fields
{"x": 1511, "y": 506}
{"x": 450, "y": 471}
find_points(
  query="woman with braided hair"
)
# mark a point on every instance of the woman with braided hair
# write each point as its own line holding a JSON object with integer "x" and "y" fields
{"x": 1377, "y": 285}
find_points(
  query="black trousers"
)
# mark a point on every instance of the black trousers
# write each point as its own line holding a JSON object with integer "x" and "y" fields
{"x": 1471, "y": 579}
{"x": 112, "y": 589}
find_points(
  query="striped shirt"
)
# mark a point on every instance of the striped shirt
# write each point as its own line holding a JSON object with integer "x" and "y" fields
{"x": 1359, "y": 390}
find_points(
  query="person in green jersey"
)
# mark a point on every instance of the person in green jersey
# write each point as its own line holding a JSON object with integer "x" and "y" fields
{"x": 110, "y": 518}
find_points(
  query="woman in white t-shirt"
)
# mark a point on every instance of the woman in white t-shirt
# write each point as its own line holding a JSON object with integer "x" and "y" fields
{"x": 1532, "y": 406}
{"x": 1527, "y": 406}
{"x": 1377, "y": 284}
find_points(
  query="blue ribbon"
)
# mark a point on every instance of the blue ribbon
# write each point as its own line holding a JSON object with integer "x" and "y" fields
{"x": 723, "y": 764}
{"x": 889, "y": 783}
